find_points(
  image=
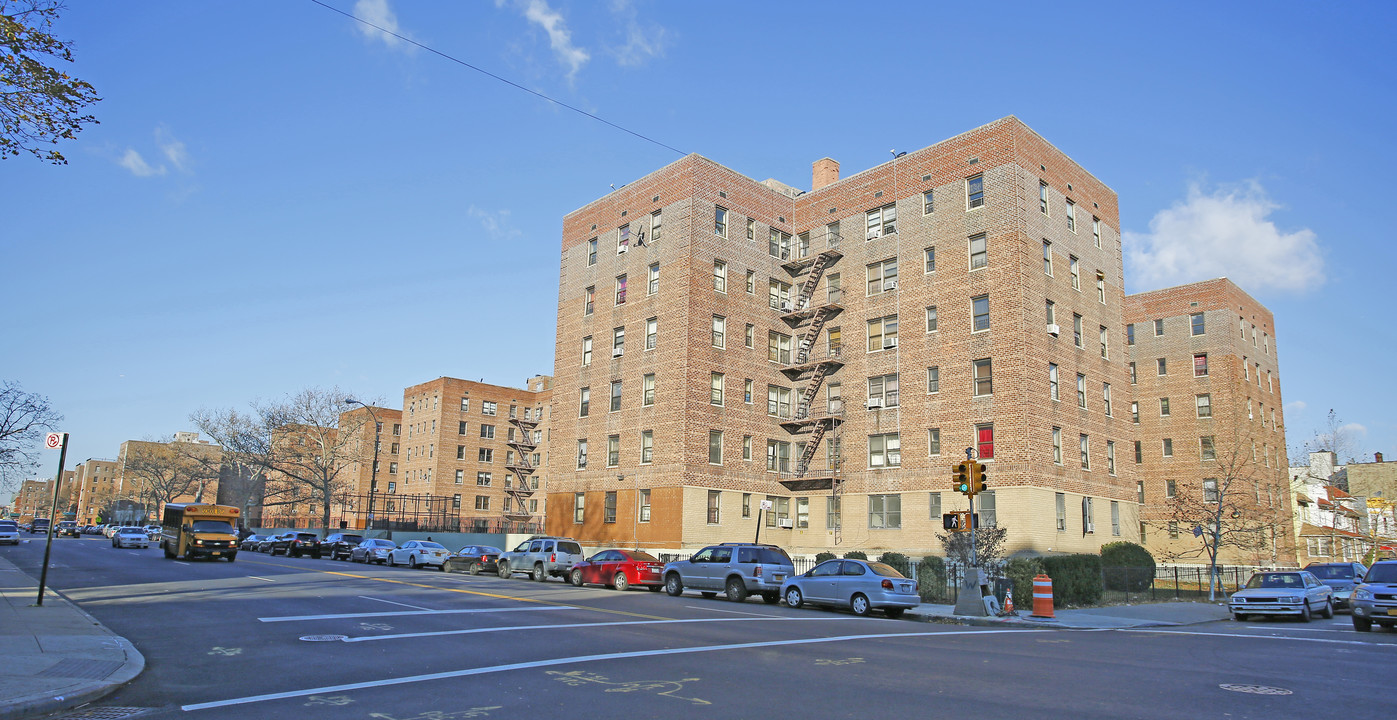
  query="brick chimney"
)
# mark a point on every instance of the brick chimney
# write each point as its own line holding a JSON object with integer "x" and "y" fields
{"x": 1377, "y": 457}
{"x": 825, "y": 172}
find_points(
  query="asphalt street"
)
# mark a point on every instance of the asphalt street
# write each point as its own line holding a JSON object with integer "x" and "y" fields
{"x": 277, "y": 637}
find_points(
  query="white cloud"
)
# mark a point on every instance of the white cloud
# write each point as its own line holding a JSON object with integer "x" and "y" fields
{"x": 1296, "y": 406}
{"x": 172, "y": 148}
{"x": 497, "y": 224}
{"x": 552, "y": 22}
{"x": 1355, "y": 430}
{"x": 138, "y": 166}
{"x": 378, "y": 12}
{"x": 643, "y": 42}
{"x": 1223, "y": 233}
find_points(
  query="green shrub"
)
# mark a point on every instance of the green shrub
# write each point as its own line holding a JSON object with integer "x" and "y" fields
{"x": 897, "y": 561}
{"x": 855, "y": 555}
{"x": 1127, "y": 566}
{"x": 821, "y": 557}
{"x": 1076, "y": 579}
{"x": 1021, "y": 571}
{"x": 931, "y": 580}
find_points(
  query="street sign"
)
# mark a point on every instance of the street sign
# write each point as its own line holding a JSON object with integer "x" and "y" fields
{"x": 53, "y": 441}
{"x": 766, "y": 505}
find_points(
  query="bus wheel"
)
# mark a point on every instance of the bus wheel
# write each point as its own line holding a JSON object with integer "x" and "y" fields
{"x": 166, "y": 547}
{"x": 232, "y": 557}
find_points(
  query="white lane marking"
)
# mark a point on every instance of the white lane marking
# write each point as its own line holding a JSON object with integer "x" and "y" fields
{"x": 1258, "y": 637}
{"x": 734, "y": 612}
{"x": 390, "y": 602}
{"x": 254, "y": 577}
{"x": 401, "y": 613}
{"x": 473, "y": 631}
{"x": 1298, "y": 629}
{"x": 181, "y": 563}
{"x": 573, "y": 660}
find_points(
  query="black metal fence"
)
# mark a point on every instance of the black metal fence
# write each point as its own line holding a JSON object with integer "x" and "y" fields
{"x": 399, "y": 513}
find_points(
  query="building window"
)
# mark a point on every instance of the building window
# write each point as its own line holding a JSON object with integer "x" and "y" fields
{"x": 747, "y": 391}
{"x": 1135, "y": 412}
{"x": 778, "y": 244}
{"x": 982, "y": 375}
{"x": 1081, "y": 391}
{"x": 1101, "y": 287}
{"x": 653, "y": 286}
{"x": 779, "y": 295}
{"x": 720, "y": 331}
{"x": 929, "y": 260}
{"x": 882, "y": 390}
{"x": 1057, "y": 446}
{"x": 751, "y": 229}
{"x": 592, "y": 252}
{"x": 885, "y": 512}
{"x": 1074, "y": 269}
{"x": 1071, "y": 216}
{"x": 1210, "y": 490}
{"x": 882, "y": 332}
{"x": 1052, "y": 382}
{"x": 460, "y": 477}
{"x": 933, "y": 438}
{"x": 1139, "y": 452}
{"x": 487, "y": 432}
{"x": 927, "y": 205}
{"x": 621, "y": 290}
{"x": 589, "y": 301}
{"x": 1132, "y": 374}
{"x": 1161, "y": 366}
{"x": 882, "y": 277}
{"x": 1077, "y": 330}
{"x": 1086, "y": 452}
{"x": 1168, "y": 447}
{"x": 579, "y": 507}
{"x": 933, "y": 380}
{"x": 714, "y": 503}
{"x": 1115, "y": 518}
{"x": 720, "y": 221}
{"x": 1042, "y": 197}
{"x": 1206, "y": 448}
{"x": 647, "y": 446}
{"x": 1047, "y": 258}
{"x": 1196, "y": 325}
{"x": 1111, "y": 457}
{"x": 655, "y": 219}
{"x": 778, "y": 456}
{"x": 613, "y": 450}
{"x": 881, "y": 221}
{"x": 1088, "y": 515}
{"x": 587, "y": 351}
{"x": 747, "y": 447}
{"x": 485, "y": 455}
{"x": 778, "y": 347}
{"x": 884, "y": 450}
{"x": 1164, "y": 407}
{"x": 715, "y": 389}
{"x": 778, "y": 401}
{"x": 582, "y": 454}
{"x": 482, "y": 502}
{"x": 1130, "y": 334}
{"x": 1205, "y": 405}
{"x": 623, "y": 239}
{"x": 931, "y": 321}
{"x": 975, "y": 191}
{"x": 980, "y": 313}
{"x": 483, "y": 479}
{"x": 1200, "y": 365}
{"x": 1096, "y": 230}
{"x": 979, "y": 252}
{"x": 609, "y": 507}
{"x": 984, "y": 441}
{"x": 647, "y": 389}
{"x": 645, "y": 506}
{"x": 618, "y": 342}
{"x": 720, "y": 276}
{"x": 746, "y": 504}
{"x": 1106, "y": 396}
{"x": 1060, "y": 505}
{"x": 392, "y": 468}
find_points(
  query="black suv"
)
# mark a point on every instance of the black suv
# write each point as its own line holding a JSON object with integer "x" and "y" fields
{"x": 296, "y": 544}
{"x": 339, "y": 545}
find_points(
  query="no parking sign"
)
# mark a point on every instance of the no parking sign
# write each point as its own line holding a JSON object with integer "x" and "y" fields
{"x": 53, "y": 441}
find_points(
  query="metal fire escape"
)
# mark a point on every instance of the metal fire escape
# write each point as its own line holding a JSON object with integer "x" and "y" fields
{"x": 523, "y": 444}
{"x": 808, "y": 313}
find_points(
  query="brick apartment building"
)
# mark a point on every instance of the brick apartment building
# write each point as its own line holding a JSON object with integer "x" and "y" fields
{"x": 723, "y": 342}
{"x": 97, "y": 482}
{"x": 480, "y": 445}
{"x": 34, "y": 499}
{"x": 1207, "y": 409}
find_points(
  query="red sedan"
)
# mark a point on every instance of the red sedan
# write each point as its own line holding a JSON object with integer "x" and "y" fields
{"x": 619, "y": 569}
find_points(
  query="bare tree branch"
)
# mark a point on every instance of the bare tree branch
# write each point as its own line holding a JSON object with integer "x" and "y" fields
{"x": 23, "y": 418}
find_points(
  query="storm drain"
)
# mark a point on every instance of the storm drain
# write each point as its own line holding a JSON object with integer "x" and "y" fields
{"x": 82, "y": 669}
{"x": 1256, "y": 689}
{"x": 105, "y": 713}
{"x": 324, "y": 638}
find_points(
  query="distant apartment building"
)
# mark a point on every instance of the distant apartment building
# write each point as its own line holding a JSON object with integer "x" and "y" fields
{"x": 725, "y": 344}
{"x": 34, "y": 499}
{"x": 152, "y": 473}
{"x": 383, "y": 426}
{"x": 98, "y": 484}
{"x": 482, "y": 446}
{"x": 1207, "y": 421}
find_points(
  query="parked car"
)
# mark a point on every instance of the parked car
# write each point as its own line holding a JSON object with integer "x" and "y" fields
{"x": 419, "y": 553}
{"x": 1375, "y": 599}
{"x": 130, "y": 536}
{"x": 250, "y": 542}
{"x": 1292, "y": 592}
{"x": 859, "y": 585}
{"x": 9, "y": 532}
{"x": 1340, "y": 576}
{"x": 69, "y": 528}
{"x": 40, "y": 525}
{"x": 299, "y": 544}
{"x": 542, "y": 558}
{"x": 339, "y": 545}
{"x": 373, "y": 550}
{"x": 265, "y": 544}
{"x": 110, "y": 529}
{"x": 620, "y": 569}
{"x": 474, "y": 559}
{"x": 738, "y": 569}
{"x": 153, "y": 531}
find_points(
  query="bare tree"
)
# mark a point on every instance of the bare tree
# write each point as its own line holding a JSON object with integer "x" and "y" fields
{"x": 161, "y": 472}
{"x": 296, "y": 442}
{"x": 23, "y": 418}
{"x": 989, "y": 547}
{"x": 1335, "y": 437}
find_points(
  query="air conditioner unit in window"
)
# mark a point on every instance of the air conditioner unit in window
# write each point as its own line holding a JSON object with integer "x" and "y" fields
{"x": 874, "y": 233}
{"x": 787, "y": 306}
{"x": 617, "y": 352}
{"x": 621, "y": 249}
{"x": 889, "y": 285}
{"x": 874, "y": 402}
{"x": 1053, "y": 329}
{"x": 890, "y": 343}
{"x": 784, "y": 522}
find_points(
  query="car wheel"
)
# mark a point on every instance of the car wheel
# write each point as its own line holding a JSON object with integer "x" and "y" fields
{"x": 1239, "y": 617}
{"x": 540, "y": 575}
{"x": 412, "y": 561}
{"x": 232, "y": 557}
{"x": 673, "y": 585}
{"x": 860, "y": 605}
{"x": 893, "y": 613}
{"x": 391, "y": 561}
{"x": 576, "y": 578}
{"x": 621, "y": 582}
{"x": 736, "y": 591}
{"x": 1328, "y": 612}
{"x": 771, "y": 598}
{"x": 1362, "y": 624}
{"x": 793, "y": 597}
{"x": 504, "y": 570}
{"x": 1305, "y": 611}
{"x": 475, "y": 568}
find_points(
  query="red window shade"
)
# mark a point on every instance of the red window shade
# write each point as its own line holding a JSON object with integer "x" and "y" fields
{"x": 984, "y": 441}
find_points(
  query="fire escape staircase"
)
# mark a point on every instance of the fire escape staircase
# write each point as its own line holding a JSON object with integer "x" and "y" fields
{"x": 523, "y": 445}
{"x": 811, "y": 421}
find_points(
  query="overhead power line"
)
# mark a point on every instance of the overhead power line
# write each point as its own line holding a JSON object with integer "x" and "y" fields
{"x": 506, "y": 81}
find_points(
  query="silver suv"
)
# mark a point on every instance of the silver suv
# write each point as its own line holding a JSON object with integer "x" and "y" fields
{"x": 1375, "y": 598}
{"x": 737, "y": 569}
{"x": 542, "y": 558}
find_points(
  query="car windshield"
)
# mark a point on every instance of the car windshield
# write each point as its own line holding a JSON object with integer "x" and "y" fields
{"x": 384, "y": 544}
{"x": 885, "y": 570}
{"x": 1332, "y": 572}
{"x": 642, "y": 556}
{"x": 350, "y": 538}
{"x": 218, "y": 526}
{"x": 1276, "y": 580}
{"x": 432, "y": 545}
{"x": 8, "y": 526}
{"x": 1385, "y": 573}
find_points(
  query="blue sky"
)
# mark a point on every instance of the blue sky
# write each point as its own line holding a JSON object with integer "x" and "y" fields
{"x": 272, "y": 184}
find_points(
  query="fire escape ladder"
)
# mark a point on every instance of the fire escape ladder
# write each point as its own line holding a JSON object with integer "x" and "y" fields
{"x": 811, "y": 447}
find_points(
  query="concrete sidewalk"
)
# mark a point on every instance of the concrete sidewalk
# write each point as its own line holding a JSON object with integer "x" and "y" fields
{"x": 55, "y": 656}
{"x": 1102, "y": 618}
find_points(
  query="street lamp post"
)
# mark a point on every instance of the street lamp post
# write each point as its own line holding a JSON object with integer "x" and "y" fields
{"x": 373, "y": 471}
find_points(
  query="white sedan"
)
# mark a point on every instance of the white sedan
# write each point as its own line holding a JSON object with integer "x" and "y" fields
{"x": 419, "y": 553}
{"x": 130, "y": 537}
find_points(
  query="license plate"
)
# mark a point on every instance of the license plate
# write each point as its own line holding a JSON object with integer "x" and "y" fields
{"x": 215, "y": 552}
{"x": 1392, "y": 611}
{"x": 778, "y": 577}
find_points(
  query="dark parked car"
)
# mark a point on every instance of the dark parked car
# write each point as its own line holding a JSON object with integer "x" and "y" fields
{"x": 474, "y": 559}
{"x": 1340, "y": 576}
{"x": 339, "y": 545}
{"x": 251, "y": 542}
{"x": 265, "y": 543}
{"x": 296, "y": 544}
{"x": 68, "y": 527}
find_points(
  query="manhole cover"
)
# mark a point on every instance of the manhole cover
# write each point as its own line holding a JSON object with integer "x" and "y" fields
{"x": 324, "y": 638}
{"x": 105, "y": 713}
{"x": 1256, "y": 689}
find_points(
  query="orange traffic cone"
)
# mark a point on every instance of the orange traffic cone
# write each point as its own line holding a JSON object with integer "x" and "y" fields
{"x": 1009, "y": 604}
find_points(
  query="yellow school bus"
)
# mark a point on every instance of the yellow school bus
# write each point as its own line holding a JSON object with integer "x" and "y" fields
{"x": 192, "y": 530}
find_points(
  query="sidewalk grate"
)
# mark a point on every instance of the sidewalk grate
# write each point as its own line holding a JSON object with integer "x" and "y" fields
{"x": 105, "y": 713}
{"x": 82, "y": 669}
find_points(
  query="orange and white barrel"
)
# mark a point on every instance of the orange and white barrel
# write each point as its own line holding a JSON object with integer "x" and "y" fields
{"x": 1042, "y": 596}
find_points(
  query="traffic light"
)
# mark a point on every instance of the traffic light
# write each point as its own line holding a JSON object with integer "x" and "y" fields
{"x": 960, "y": 473}
{"x": 977, "y": 476}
